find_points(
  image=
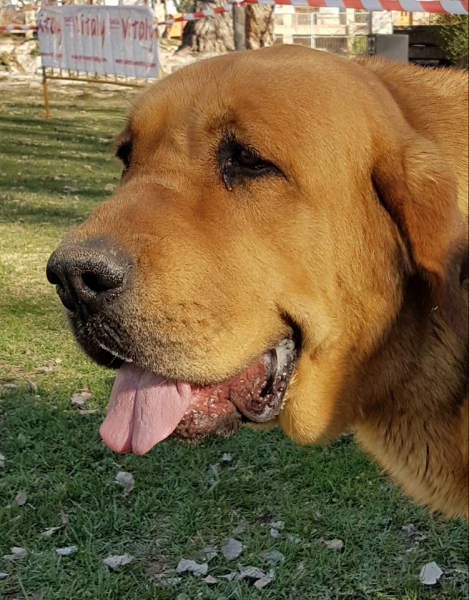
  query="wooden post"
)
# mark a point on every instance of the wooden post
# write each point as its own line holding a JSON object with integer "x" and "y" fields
{"x": 239, "y": 27}
{"x": 45, "y": 90}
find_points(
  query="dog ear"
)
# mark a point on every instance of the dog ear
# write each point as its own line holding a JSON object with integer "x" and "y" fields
{"x": 420, "y": 193}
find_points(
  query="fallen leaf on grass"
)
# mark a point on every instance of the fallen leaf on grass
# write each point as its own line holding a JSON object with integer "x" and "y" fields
{"x": 430, "y": 574}
{"x": 258, "y": 578}
{"x": 251, "y": 573}
{"x": 50, "y": 532}
{"x": 45, "y": 369}
{"x": 190, "y": 566}
{"x": 411, "y": 532}
{"x": 10, "y": 386}
{"x": 226, "y": 458}
{"x": 294, "y": 539}
{"x": 126, "y": 480}
{"x": 109, "y": 187}
{"x": 32, "y": 386}
{"x": 333, "y": 544}
{"x": 114, "y": 562}
{"x": 231, "y": 549}
{"x": 88, "y": 167}
{"x": 241, "y": 528}
{"x": 3, "y": 576}
{"x": 67, "y": 551}
{"x": 272, "y": 557}
{"x": 275, "y": 533}
{"x": 81, "y": 398}
{"x": 21, "y": 498}
{"x": 210, "y": 580}
{"x": 230, "y": 576}
{"x": 16, "y": 554}
{"x": 2, "y": 460}
{"x": 206, "y": 554}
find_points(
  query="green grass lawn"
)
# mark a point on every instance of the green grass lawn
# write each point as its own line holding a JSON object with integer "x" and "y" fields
{"x": 186, "y": 498}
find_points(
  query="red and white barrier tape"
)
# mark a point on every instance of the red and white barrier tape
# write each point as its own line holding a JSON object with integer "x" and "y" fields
{"x": 451, "y": 7}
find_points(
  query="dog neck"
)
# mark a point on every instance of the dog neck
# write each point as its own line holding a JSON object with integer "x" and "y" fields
{"x": 418, "y": 429}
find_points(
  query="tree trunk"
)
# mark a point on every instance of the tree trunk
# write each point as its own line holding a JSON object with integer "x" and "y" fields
{"x": 259, "y": 26}
{"x": 215, "y": 34}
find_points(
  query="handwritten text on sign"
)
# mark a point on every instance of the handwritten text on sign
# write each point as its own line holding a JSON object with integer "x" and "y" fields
{"x": 111, "y": 40}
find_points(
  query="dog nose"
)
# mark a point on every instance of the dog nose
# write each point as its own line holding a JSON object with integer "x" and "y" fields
{"x": 90, "y": 276}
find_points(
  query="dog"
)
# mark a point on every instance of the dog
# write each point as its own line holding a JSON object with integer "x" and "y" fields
{"x": 288, "y": 245}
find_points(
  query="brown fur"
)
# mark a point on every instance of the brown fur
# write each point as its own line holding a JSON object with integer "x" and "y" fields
{"x": 361, "y": 244}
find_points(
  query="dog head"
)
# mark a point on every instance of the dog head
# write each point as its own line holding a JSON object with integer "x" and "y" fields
{"x": 272, "y": 204}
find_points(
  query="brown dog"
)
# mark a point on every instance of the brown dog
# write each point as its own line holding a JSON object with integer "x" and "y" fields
{"x": 286, "y": 246}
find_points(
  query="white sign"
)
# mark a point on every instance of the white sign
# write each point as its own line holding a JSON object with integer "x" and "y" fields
{"x": 102, "y": 40}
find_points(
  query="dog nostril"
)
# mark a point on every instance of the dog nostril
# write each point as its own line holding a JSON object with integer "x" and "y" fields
{"x": 96, "y": 283}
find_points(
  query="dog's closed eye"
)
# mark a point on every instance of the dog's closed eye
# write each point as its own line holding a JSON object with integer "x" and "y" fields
{"x": 238, "y": 161}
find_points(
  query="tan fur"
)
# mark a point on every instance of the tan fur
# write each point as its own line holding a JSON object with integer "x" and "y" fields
{"x": 361, "y": 244}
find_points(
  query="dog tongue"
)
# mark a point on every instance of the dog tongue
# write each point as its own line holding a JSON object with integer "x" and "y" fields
{"x": 143, "y": 410}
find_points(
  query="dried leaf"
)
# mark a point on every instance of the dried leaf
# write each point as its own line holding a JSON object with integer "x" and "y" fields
{"x": 114, "y": 562}
{"x": 278, "y": 525}
{"x": 109, "y": 187}
{"x": 45, "y": 369}
{"x": 21, "y": 498}
{"x": 430, "y": 574}
{"x": 190, "y": 566}
{"x": 226, "y": 458}
{"x": 294, "y": 539}
{"x": 67, "y": 551}
{"x": 32, "y": 386}
{"x": 275, "y": 533}
{"x": 262, "y": 582}
{"x": 126, "y": 480}
{"x": 50, "y": 532}
{"x": 88, "y": 167}
{"x": 241, "y": 528}
{"x": 16, "y": 554}
{"x": 3, "y": 576}
{"x": 2, "y": 460}
{"x": 81, "y": 398}
{"x": 210, "y": 580}
{"x": 231, "y": 549}
{"x": 64, "y": 518}
{"x": 272, "y": 557}
{"x": 410, "y": 531}
{"x": 333, "y": 544}
{"x": 251, "y": 573}
{"x": 10, "y": 386}
{"x": 206, "y": 554}
{"x": 230, "y": 576}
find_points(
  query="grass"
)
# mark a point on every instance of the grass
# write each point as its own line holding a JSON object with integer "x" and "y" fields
{"x": 52, "y": 174}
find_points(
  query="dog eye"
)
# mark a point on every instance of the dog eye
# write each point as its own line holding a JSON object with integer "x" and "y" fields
{"x": 124, "y": 153}
{"x": 247, "y": 159}
{"x": 238, "y": 161}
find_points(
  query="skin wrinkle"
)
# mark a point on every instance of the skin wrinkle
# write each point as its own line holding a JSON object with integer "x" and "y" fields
{"x": 356, "y": 246}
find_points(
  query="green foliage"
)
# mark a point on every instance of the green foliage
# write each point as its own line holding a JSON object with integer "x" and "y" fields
{"x": 454, "y": 30}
